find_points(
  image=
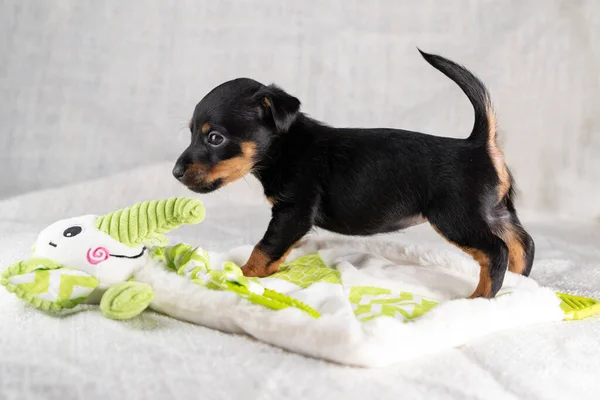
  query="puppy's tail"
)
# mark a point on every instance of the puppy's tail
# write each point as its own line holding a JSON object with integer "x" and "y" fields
{"x": 484, "y": 128}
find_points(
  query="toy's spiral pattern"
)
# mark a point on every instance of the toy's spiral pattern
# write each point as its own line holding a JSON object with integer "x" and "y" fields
{"x": 97, "y": 255}
{"x": 147, "y": 221}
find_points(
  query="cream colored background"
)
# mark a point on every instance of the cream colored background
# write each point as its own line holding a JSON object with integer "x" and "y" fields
{"x": 92, "y": 88}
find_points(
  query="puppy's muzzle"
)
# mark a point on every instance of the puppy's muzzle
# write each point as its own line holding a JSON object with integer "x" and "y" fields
{"x": 179, "y": 171}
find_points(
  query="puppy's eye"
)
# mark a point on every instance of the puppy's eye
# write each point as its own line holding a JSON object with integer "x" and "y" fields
{"x": 72, "y": 231}
{"x": 215, "y": 139}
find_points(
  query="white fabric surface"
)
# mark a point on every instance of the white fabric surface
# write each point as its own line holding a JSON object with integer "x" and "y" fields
{"x": 84, "y": 355}
{"x": 339, "y": 335}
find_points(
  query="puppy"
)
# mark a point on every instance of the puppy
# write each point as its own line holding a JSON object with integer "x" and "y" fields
{"x": 360, "y": 181}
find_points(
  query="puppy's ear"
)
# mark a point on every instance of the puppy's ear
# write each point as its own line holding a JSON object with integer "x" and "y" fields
{"x": 280, "y": 106}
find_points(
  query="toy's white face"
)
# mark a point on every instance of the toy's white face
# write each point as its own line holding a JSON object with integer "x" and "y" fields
{"x": 77, "y": 244}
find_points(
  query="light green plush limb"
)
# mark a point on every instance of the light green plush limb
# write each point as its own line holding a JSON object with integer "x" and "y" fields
{"x": 232, "y": 279}
{"x": 290, "y": 301}
{"x": 147, "y": 221}
{"x": 126, "y": 300}
{"x": 194, "y": 263}
{"x": 269, "y": 298}
{"x": 184, "y": 259}
{"x": 25, "y": 266}
{"x": 46, "y": 285}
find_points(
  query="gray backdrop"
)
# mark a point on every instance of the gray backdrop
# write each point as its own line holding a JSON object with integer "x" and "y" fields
{"x": 92, "y": 88}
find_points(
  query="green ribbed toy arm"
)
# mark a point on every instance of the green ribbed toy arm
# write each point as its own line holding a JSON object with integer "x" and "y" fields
{"x": 147, "y": 221}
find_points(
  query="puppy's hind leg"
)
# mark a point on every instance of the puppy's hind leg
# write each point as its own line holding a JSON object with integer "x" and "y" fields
{"x": 521, "y": 247}
{"x": 521, "y": 262}
{"x": 471, "y": 233}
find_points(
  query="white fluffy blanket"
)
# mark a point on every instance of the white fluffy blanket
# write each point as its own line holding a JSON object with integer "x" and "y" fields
{"x": 85, "y": 355}
{"x": 374, "y": 300}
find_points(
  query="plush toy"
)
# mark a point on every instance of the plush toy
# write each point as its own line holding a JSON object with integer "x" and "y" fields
{"x": 80, "y": 259}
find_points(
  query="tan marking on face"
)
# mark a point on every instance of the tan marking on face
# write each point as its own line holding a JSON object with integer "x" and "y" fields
{"x": 267, "y": 102}
{"x": 484, "y": 286}
{"x": 233, "y": 168}
{"x": 272, "y": 200}
{"x": 206, "y": 127}
{"x": 496, "y": 154}
{"x": 260, "y": 265}
{"x": 195, "y": 173}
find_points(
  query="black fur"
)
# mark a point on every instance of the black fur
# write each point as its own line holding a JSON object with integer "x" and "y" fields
{"x": 363, "y": 181}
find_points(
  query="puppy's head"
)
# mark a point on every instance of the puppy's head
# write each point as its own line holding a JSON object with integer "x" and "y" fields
{"x": 231, "y": 129}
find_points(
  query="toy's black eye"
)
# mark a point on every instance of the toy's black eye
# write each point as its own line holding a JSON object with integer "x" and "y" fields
{"x": 215, "y": 139}
{"x": 72, "y": 231}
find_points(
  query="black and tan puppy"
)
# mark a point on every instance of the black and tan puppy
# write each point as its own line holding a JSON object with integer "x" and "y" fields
{"x": 360, "y": 181}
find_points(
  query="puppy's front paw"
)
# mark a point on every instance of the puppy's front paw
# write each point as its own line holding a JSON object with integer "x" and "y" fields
{"x": 250, "y": 271}
{"x": 259, "y": 265}
{"x": 480, "y": 294}
{"x": 258, "y": 272}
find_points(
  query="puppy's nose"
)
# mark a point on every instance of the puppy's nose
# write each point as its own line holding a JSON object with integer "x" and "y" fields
{"x": 179, "y": 171}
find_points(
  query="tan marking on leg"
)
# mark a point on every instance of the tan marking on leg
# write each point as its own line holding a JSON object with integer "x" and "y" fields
{"x": 234, "y": 168}
{"x": 257, "y": 264}
{"x": 484, "y": 286}
{"x": 516, "y": 250}
{"x": 260, "y": 265}
{"x": 516, "y": 257}
{"x": 206, "y": 127}
{"x": 282, "y": 259}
